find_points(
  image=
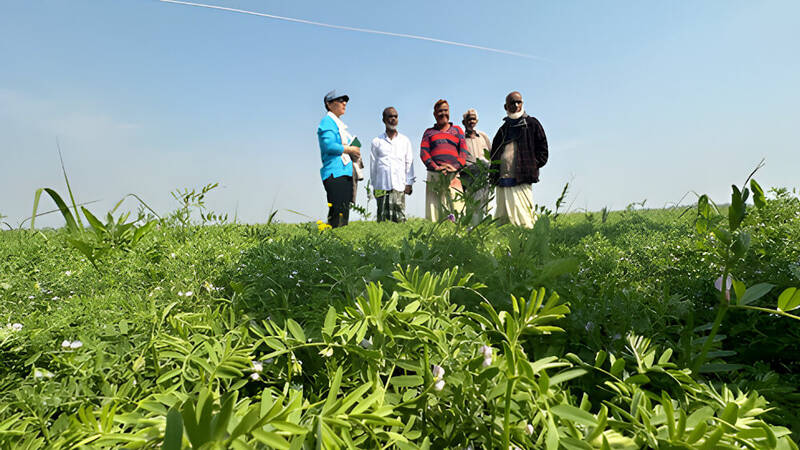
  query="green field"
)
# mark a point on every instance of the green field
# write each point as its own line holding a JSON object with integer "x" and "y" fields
{"x": 591, "y": 330}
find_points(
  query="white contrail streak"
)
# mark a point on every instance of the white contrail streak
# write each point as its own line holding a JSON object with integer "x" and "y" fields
{"x": 360, "y": 30}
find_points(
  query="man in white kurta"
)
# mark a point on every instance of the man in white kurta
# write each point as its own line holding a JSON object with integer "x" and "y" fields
{"x": 391, "y": 169}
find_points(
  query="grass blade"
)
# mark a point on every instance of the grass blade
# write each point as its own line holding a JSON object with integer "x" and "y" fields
{"x": 69, "y": 189}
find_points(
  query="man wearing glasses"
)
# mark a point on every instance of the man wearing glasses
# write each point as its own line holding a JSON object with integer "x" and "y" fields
{"x": 519, "y": 150}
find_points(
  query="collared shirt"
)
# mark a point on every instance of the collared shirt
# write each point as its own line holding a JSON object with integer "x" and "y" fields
{"x": 477, "y": 142}
{"x": 443, "y": 147}
{"x": 391, "y": 163}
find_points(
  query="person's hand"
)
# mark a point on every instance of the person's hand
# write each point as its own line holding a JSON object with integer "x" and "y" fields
{"x": 409, "y": 189}
{"x": 448, "y": 168}
{"x": 353, "y": 151}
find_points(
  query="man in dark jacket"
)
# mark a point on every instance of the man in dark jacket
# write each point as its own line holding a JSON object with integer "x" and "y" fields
{"x": 519, "y": 150}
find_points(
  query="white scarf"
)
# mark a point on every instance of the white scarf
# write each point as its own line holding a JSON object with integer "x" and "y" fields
{"x": 347, "y": 139}
{"x": 516, "y": 115}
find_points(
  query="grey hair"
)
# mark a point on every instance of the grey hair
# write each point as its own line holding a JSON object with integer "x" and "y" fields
{"x": 470, "y": 111}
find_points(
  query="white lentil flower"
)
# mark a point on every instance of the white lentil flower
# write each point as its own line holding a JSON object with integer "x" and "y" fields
{"x": 66, "y": 344}
{"x": 728, "y": 283}
{"x": 180, "y": 293}
{"x": 76, "y": 345}
{"x": 487, "y": 362}
{"x": 529, "y": 429}
{"x": 16, "y": 326}
{"x": 486, "y": 351}
{"x": 68, "y": 273}
{"x": 42, "y": 374}
{"x": 258, "y": 366}
{"x": 438, "y": 373}
{"x": 172, "y": 255}
{"x": 254, "y": 376}
{"x": 439, "y": 385}
{"x": 188, "y": 293}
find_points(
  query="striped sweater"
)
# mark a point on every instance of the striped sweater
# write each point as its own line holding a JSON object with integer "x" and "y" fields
{"x": 443, "y": 147}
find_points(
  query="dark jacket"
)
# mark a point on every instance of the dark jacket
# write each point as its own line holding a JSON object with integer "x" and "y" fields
{"x": 531, "y": 152}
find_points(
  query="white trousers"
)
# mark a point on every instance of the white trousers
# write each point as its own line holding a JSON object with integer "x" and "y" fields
{"x": 515, "y": 205}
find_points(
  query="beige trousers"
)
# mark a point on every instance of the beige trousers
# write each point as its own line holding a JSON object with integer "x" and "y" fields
{"x": 515, "y": 205}
{"x": 438, "y": 204}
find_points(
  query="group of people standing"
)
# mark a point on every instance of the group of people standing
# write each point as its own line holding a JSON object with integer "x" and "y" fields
{"x": 456, "y": 159}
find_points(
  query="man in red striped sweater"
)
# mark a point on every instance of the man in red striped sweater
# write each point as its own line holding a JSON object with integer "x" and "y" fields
{"x": 443, "y": 151}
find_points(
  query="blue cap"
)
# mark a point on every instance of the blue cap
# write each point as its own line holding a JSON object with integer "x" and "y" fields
{"x": 334, "y": 95}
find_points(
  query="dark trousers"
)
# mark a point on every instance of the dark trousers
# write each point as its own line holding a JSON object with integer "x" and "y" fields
{"x": 340, "y": 193}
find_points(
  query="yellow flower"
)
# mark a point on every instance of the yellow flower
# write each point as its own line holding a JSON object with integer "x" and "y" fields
{"x": 330, "y": 205}
{"x": 322, "y": 226}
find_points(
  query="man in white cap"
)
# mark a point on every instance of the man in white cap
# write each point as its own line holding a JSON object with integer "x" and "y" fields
{"x": 474, "y": 176}
{"x": 391, "y": 168}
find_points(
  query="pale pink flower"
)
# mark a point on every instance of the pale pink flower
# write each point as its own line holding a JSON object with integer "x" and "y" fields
{"x": 728, "y": 283}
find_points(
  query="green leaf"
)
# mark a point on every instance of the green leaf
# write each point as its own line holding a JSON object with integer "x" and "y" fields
{"x": 566, "y": 376}
{"x": 600, "y": 358}
{"x": 755, "y": 292}
{"x": 330, "y": 321}
{"x": 296, "y": 330}
{"x": 758, "y": 194}
{"x": 272, "y": 439}
{"x": 168, "y": 375}
{"x": 334, "y": 390}
{"x": 736, "y": 209}
{"x": 173, "y": 433}
{"x": 72, "y": 226}
{"x": 739, "y": 288}
{"x": 404, "y": 381}
{"x": 219, "y": 424}
{"x": 638, "y": 379}
{"x": 741, "y": 244}
{"x": 574, "y": 414}
{"x": 617, "y": 367}
{"x": 247, "y": 424}
{"x": 789, "y": 299}
{"x": 98, "y": 226}
{"x": 289, "y": 427}
{"x": 669, "y": 411}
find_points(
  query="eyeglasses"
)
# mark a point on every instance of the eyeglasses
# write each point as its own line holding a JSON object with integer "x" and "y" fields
{"x": 340, "y": 99}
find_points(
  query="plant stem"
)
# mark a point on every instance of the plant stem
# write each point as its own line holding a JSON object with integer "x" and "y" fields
{"x": 721, "y": 311}
{"x": 767, "y": 310}
{"x": 507, "y": 414}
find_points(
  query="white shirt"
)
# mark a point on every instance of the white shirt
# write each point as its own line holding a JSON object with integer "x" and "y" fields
{"x": 391, "y": 163}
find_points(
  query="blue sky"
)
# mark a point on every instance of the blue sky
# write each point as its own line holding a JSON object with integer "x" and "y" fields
{"x": 640, "y": 100}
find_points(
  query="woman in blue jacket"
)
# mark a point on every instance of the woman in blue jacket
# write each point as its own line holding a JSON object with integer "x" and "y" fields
{"x": 337, "y": 159}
